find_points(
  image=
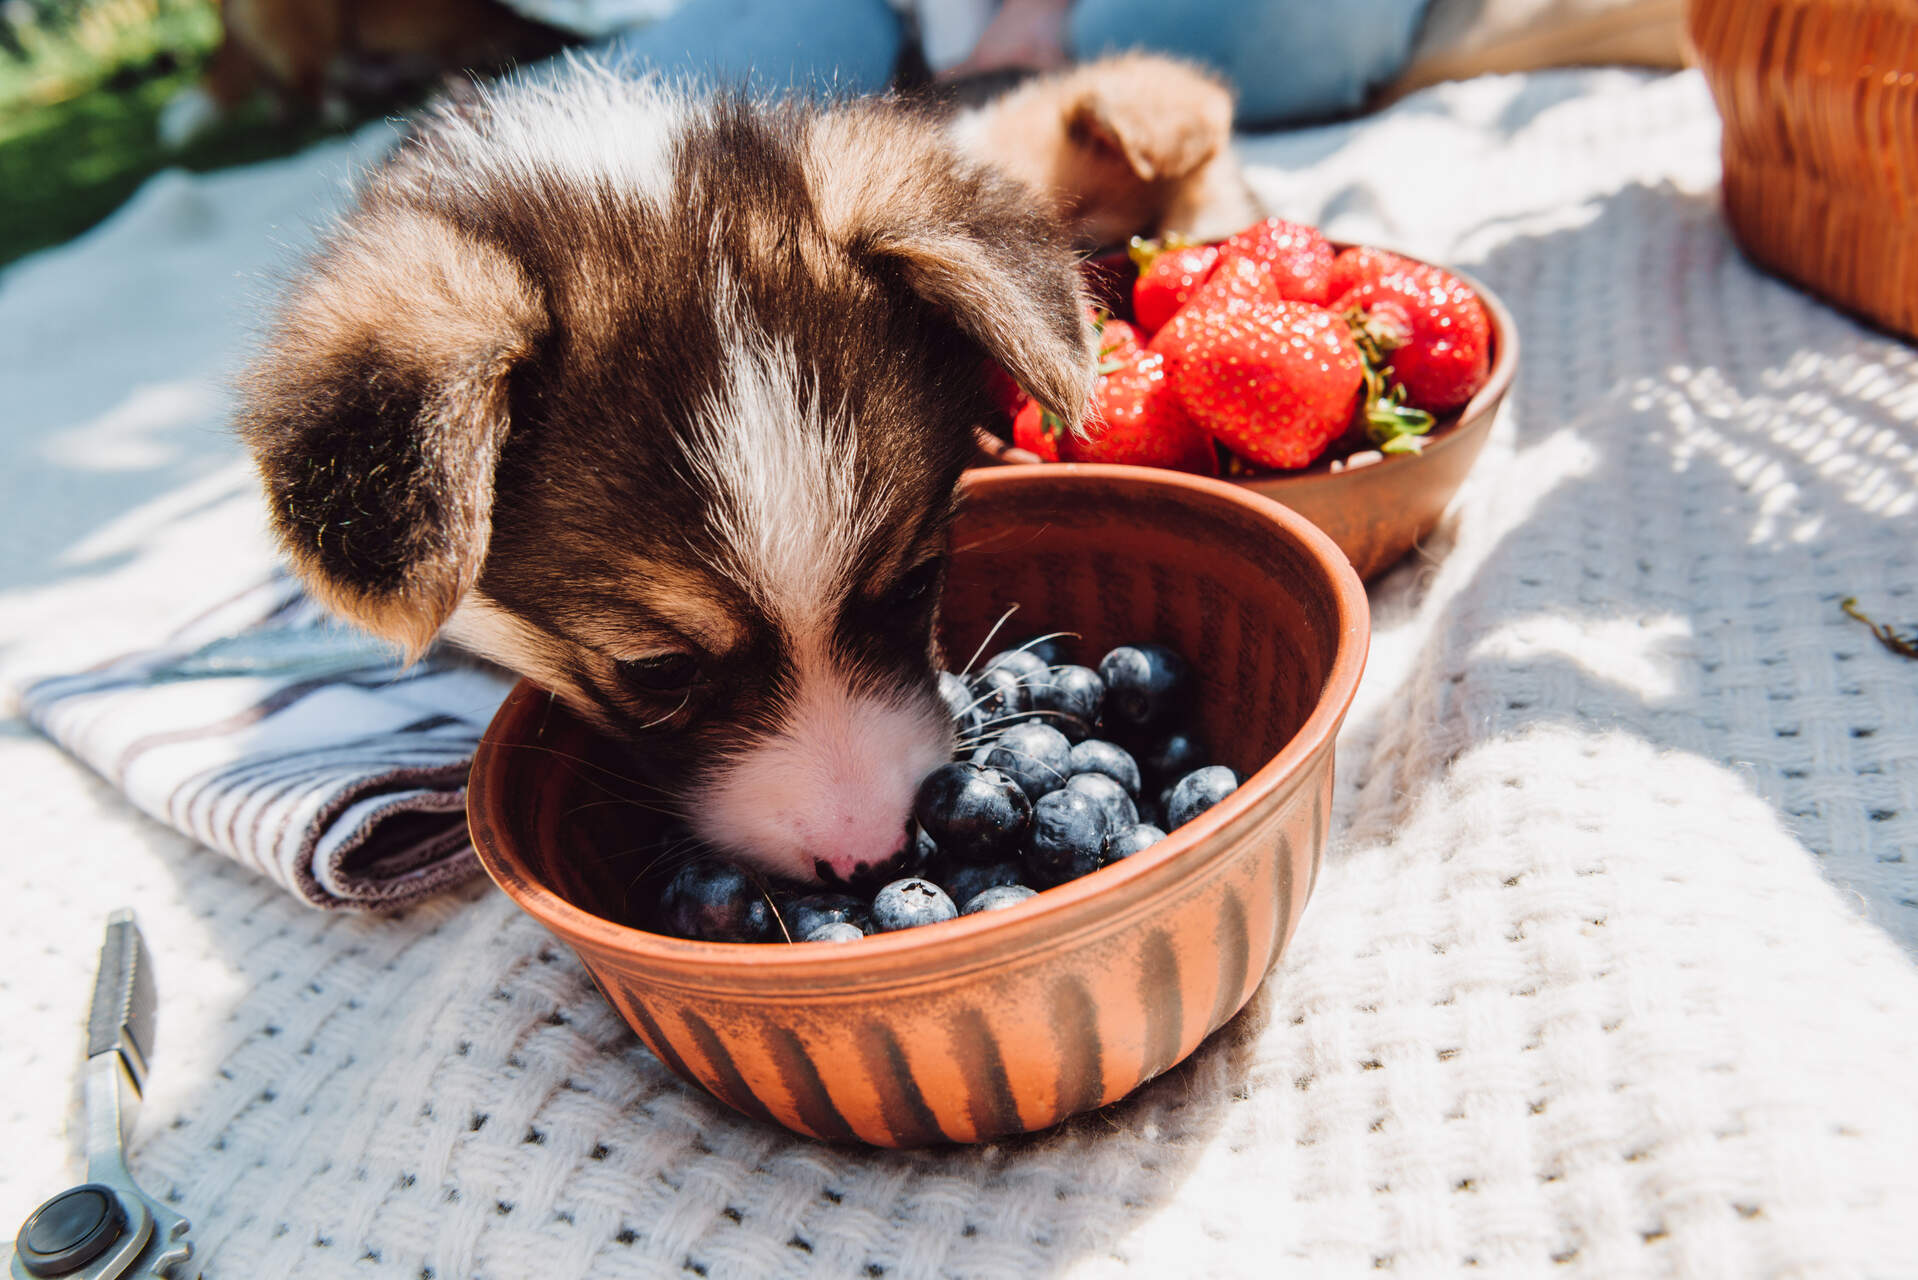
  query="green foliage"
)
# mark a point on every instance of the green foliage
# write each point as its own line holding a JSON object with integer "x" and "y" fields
{"x": 82, "y": 83}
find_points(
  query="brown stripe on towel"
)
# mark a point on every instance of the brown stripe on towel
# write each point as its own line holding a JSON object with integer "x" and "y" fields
{"x": 279, "y": 700}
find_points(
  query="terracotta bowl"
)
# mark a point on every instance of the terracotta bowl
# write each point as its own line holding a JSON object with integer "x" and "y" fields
{"x": 1375, "y": 512}
{"x": 1010, "y": 1021}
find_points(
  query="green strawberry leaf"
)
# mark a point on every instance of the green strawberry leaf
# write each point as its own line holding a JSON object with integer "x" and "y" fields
{"x": 1142, "y": 251}
{"x": 1391, "y": 424}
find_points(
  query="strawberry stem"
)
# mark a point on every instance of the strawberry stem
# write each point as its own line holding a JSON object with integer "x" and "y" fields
{"x": 1376, "y": 340}
{"x": 1142, "y": 251}
{"x": 1390, "y": 423}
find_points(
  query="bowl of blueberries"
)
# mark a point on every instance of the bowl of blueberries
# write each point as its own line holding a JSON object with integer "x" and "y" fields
{"x": 1148, "y": 673}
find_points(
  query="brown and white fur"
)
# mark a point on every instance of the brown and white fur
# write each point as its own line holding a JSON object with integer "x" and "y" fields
{"x": 1138, "y": 144}
{"x": 661, "y": 400}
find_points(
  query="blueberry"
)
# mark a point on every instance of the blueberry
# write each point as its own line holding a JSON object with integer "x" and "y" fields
{"x": 1037, "y": 755}
{"x": 834, "y": 931}
{"x": 907, "y": 904}
{"x": 713, "y": 901}
{"x": 1197, "y": 792}
{"x": 919, "y": 850}
{"x": 1095, "y": 755}
{"x": 973, "y": 814}
{"x": 1071, "y": 698}
{"x": 1147, "y": 685}
{"x": 1001, "y": 697}
{"x": 1170, "y": 758}
{"x": 959, "y": 698}
{"x": 1134, "y": 839}
{"x": 1068, "y": 838}
{"x": 1110, "y": 796}
{"x": 1050, "y": 650}
{"x": 964, "y": 883}
{"x": 997, "y": 897}
{"x": 1023, "y": 663}
{"x": 805, "y": 916}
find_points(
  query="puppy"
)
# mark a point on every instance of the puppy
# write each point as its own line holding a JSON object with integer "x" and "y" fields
{"x": 1137, "y": 144}
{"x": 320, "y": 56}
{"x": 661, "y": 400}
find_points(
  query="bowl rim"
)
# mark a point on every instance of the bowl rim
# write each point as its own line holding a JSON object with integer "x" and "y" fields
{"x": 1484, "y": 403}
{"x": 962, "y": 936}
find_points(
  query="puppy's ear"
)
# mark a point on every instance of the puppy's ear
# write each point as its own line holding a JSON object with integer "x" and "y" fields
{"x": 977, "y": 245}
{"x": 376, "y": 415}
{"x": 1163, "y": 118}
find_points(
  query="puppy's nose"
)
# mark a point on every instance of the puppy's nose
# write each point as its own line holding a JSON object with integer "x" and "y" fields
{"x": 863, "y": 859}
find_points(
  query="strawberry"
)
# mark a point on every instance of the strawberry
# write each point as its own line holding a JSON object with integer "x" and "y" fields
{"x": 1002, "y": 390}
{"x": 1237, "y": 277}
{"x": 1136, "y": 419}
{"x": 1298, "y": 258}
{"x": 1037, "y": 431}
{"x": 1118, "y": 340}
{"x": 1172, "y": 277}
{"x": 1237, "y": 284}
{"x": 1363, "y": 265}
{"x": 1431, "y": 327}
{"x": 1275, "y": 382}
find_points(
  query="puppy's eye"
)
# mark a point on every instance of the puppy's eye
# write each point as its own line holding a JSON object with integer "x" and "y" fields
{"x": 660, "y": 673}
{"x": 916, "y": 587}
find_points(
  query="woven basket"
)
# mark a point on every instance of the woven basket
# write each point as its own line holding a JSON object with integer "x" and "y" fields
{"x": 1820, "y": 102}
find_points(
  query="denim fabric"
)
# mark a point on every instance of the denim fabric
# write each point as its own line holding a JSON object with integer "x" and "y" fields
{"x": 846, "y": 46}
{"x": 1288, "y": 59}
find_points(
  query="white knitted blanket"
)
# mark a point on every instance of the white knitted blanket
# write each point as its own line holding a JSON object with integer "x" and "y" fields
{"x": 1603, "y": 976}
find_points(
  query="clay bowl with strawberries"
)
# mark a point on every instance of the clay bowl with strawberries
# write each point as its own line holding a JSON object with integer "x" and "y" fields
{"x": 1375, "y": 504}
{"x": 1009, "y": 1020}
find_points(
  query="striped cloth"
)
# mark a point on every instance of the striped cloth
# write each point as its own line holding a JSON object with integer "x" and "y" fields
{"x": 291, "y": 743}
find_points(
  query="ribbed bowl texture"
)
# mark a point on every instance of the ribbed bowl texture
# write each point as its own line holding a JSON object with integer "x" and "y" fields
{"x": 1015, "y": 1019}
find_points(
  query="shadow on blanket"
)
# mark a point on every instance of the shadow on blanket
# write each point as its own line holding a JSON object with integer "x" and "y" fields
{"x": 519, "y": 1058}
{"x": 1698, "y": 478}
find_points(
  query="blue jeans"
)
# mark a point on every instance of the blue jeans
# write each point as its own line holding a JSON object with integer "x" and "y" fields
{"x": 1288, "y": 59}
{"x": 846, "y": 46}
